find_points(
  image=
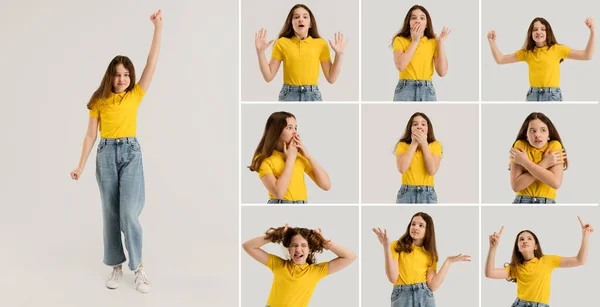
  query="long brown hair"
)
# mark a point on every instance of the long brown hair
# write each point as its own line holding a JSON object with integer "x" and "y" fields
{"x": 405, "y": 242}
{"x": 405, "y": 30}
{"x": 517, "y": 258}
{"x": 288, "y": 30}
{"x": 106, "y": 86}
{"x": 552, "y": 132}
{"x": 529, "y": 44}
{"x": 275, "y": 125}
{"x": 407, "y": 137}
{"x": 316, "y": 242}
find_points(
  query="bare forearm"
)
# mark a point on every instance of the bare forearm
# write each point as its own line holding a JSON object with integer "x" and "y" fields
{"x": 589, "y": 48}
{"x": 490, "y": 263}
{"x": 441, "y": 62}
{"x": 437, "y": 280}
{"x": 496, "y": 52}
{"x": 542, "y": 174}
{"x": 321, "y": 176}
{"x": 265, "y": 68}
{"x": 154, "y": 48}
{"x": 391, "y": 265}
{"x": 257, "y": 242}
{"x": 406, "y": 159}
{"x": 429, "y": 161}
{"x": 583, "y": 251}
{"x": 336, "y": 67}
{"x": 88, "y": 144}
{"x": 404, "y": 58}
{"x": 283, "y": 182}
{"x": 341, "y": 251}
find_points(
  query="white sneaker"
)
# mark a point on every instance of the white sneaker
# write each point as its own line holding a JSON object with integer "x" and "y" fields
{"x": 141, "y": 281}
{"x": 113, "y": 279}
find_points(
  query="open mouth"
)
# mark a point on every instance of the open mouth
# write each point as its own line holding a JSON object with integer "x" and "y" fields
{"x": 298, "y": 257}
{"x": 300, "y": 26}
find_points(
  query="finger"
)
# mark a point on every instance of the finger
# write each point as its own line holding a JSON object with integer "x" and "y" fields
{"x": 501, "y": 229}
{"x": 580, "y": 222}
{"x": 284, "y": 147}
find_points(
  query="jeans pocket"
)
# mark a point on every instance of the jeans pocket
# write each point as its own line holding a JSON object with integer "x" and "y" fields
{"x": 317, "y": 95}
{"x": 556, "y": 96}
{"x": 101, "y": 147}
{"x": 395, "y": 294}
{"x": 432, "y": 196}
{"x": 283, "y": 93}
{"x": 399, "y": 87}
{"x": 431, "y": 89}
{"x": 135, "y": 146}
{"x": 428, "y": 292}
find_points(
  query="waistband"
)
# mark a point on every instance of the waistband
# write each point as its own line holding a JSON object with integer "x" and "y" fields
{"x": 283, "y": 201}
{"x": 422, "y": 285}
{"x": 127, "y": 140}
{"x": 423, "y": 188}
{"x": 415, "y": 82}
{"x": 545, "y": 89}
{"x": 534, "y": 199}
{"x": 308, "y": 88}
{"x": 529, "y": 303}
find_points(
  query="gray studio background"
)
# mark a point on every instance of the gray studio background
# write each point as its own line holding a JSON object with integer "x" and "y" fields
{"x": 511, "y": 20}
{"x": 577, "y": 125}
{"x": 330, "y": 133}
{"x": 54, "y": 56}
{"x": 332, "y": 16}
{"x": 459, "y": 288}
{"x": 338, "y": 289}
{"x": 455, "y": 126}
{"x": 559, "y": 233}
{"x": 382, "y": 19}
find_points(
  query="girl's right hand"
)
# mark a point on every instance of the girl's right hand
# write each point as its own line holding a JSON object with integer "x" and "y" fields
{"x": 76, "y": 173}
{"x": 260, "y": 40}
{"x": 495, "y": 238}
{"x": 416, "y": 32}
{"x": 491, "y": 35}
{"x": 589, "y": 22}
{"x": 382, "y": 236}
{"x": 290, "y": 151}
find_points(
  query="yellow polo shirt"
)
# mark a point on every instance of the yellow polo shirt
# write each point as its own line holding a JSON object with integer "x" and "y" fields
{"x": 117, "y": 114}
{"x": 544, "y": 64}
{"x": 275, "y": 165}
{"x": 421, "y": 64}
{"x": 413, "y": 266}
{"x": 301, "y": 59}
{"x": 293, "y": 284}
{"x": 538, "y": 188}
{"x": 417, "y": 174}
{"x": 533, "y": 278}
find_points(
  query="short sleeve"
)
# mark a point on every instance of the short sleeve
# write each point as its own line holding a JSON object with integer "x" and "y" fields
{"x": 554, "y": 145}
{"x": 517, "y": 144}
{"x": 393, "y": 247}
{"x": 563, "y": 51}
{"x": 552, "y": 260}
{"x": 507, "y": 269}
{"x": 435, "y": 47}
{"x": 321, "y": 269}
{"x": 264, "y": 169}
{"x": 521, "y": 55}
{"x": 275, "y": 262}
{"x": 277, "y": 52}
{"x": 307, "y": 166}
{"x": 436, "y": 148}
{"x": 432, "y": 267}
{"x": 94, "y": 112}
{"x": 325, "y": 53}
{"x": 399, "y": 44}
{"x": 138, "y": 91}
{"x": 401, "y": 148}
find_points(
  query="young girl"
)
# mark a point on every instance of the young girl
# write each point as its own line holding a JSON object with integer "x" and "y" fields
{"x": 543, "y": 55}
{"x": 119, "y": 172}
{"x": 417, "y": 50}
{"x": 530, "y": 268}
{"x": 418, "y": 157}
{"x": 281, "y": 159}
{"x": 301, "y": 49}
{"x": 411, "y": 263}
{"x": 295, "y": 280}
{"x": 537, "y": 161}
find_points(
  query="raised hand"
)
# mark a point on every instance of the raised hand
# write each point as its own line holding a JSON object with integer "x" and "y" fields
{"x": 290, "y": 151}
{"x": 459, "y": 257}
{"x": 440, "y": 38}
{"x": 382, "y": 236}
{"x": 491, "y": 35}
{"x": 339, "y": 44}
{"x": 589, "y": 22}
{"x": 586, "y": 229}
{"x": 157, "y": 18}
{"x": 518, "y": 155}
{"x": 495, "y": 237}
{"x": 260, "y": 41}
{"x": 416, "y": 32}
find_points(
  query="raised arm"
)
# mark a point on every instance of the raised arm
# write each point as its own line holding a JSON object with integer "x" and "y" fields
{"x": 150, "y": 68}
{"x": 404, "y": 160}
{"x": 345, "y": 257}
{"x": 278, "y": 186}
{"x": 440, "y": 61}
{"x": 589, "y": 48}
{"x": 88, "y": 143}
{"x": 391, "y": 264}
{"x": 491, "y": 271}
{"x": 498, "y": 56}
{"x": 581, "y": 258}
{"x": 267, "y": 69}
{"x": 435, "y": 279}
{"x": 253, "y": 246}
{"x": 332, "y": 70}
{"x": 318, "y": 173}
{"x": 402, "y": 58}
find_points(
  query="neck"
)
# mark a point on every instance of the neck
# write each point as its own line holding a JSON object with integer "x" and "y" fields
{"x": 542, "y": 44}
{"x": 418, "y": 242}
{"x": 528, "y": 255}
{"x": 300, "y": 36}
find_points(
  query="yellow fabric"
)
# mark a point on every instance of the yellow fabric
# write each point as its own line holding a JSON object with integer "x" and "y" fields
{"x": 538, "y": 188}
{"x": 544, "y": 64}
{"x": 417, "y": 173}
{"x": 117, "y": 114}
{"x": 413, "y": 266}
{"x": 421, "y": 64}
{"x": 533, "y": 278}
{"x": 275, "y": 165}
{"x": 293, "y": 284}
{"x": 301, "y": 59}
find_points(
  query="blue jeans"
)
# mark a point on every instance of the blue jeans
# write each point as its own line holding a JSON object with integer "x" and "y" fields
{"x": 414, "y": 295}
{"x": 120, "y": 177}
{"x": 416, "y": 194}
{"x": 300, "y": 93}
{"x": 281, "y": 201}
{"x": 544, "y": 94}
{"x": 522, "y": 303}
{"x": 414, "y": 90}
{"x": 532, "y": 200}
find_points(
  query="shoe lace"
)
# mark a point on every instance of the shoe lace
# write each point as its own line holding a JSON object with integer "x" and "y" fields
{"x": 115, "y": 274}
{"x": 140, "y": 277}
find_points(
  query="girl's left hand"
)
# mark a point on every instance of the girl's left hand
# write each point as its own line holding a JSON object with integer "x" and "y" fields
{"x": 586, "y": 229}
{"x": 518, "y": 155}
{"x": 300, "y": 145}
{"x": 459, "y": 257}
{"x": 589, "y": 22}
{"x": 339, "y": 44}
{"x": 320, "y": 233}
{"x": 440, "y": 38}
{"x": 157, "y": 18}
{"x": 421, "y": 138}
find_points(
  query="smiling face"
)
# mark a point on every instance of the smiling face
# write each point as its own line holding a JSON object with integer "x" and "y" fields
{"x": 537, "y": 133}
{"x": 301, "y": 22}
{"x": 289, "y": 131}
{"x": 121, "y": 79}
{"x": 418, "y": 228}
{"x": 538, "y": 33}
{"x": 298, "y": 249}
